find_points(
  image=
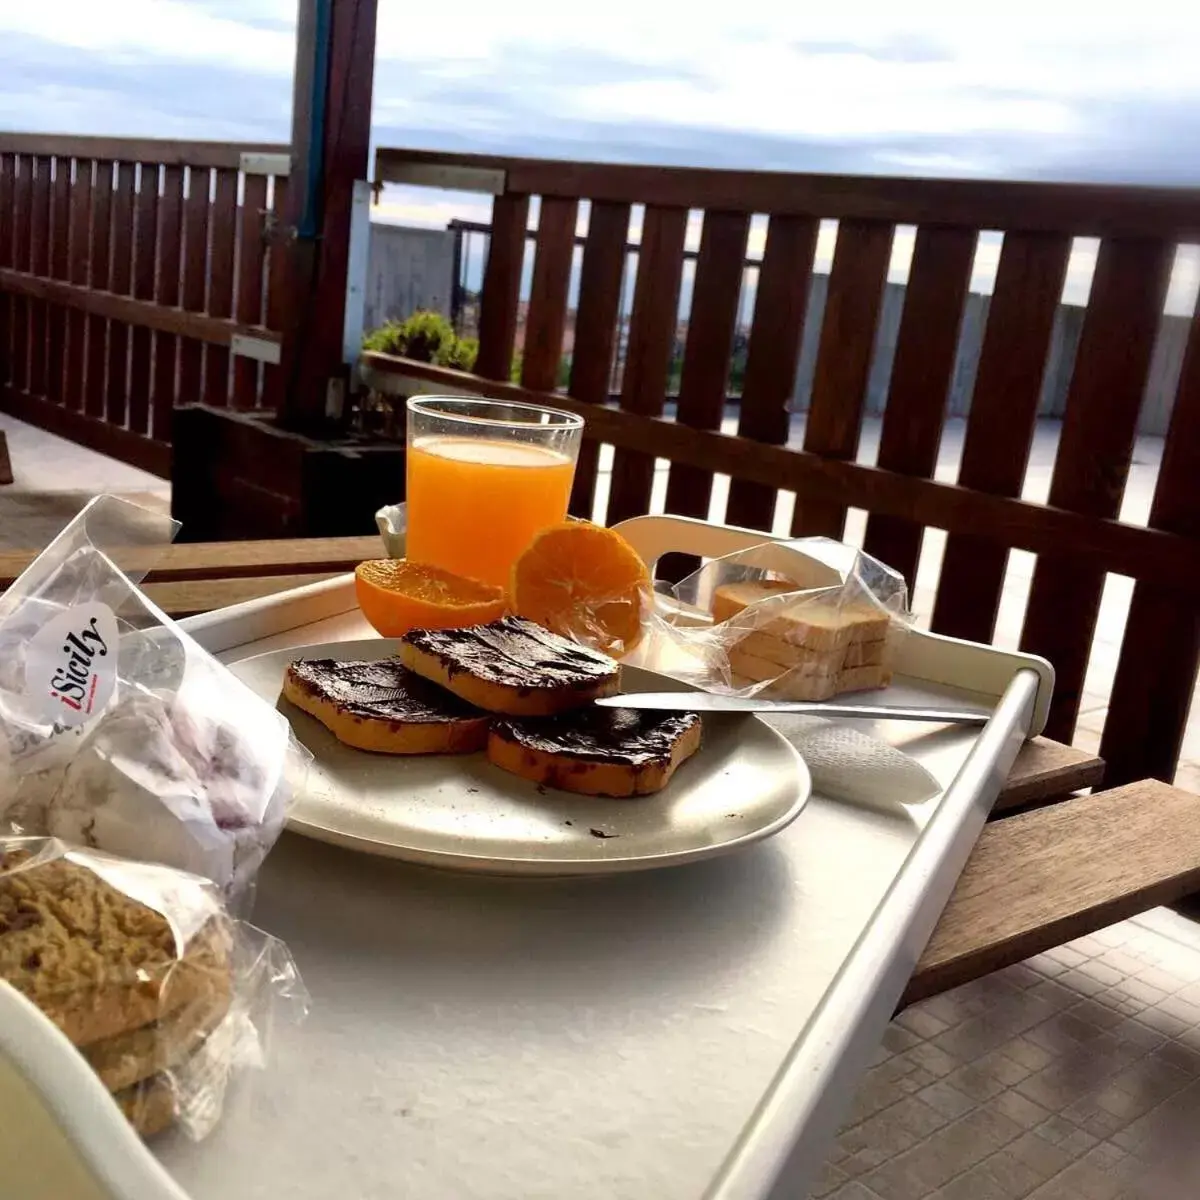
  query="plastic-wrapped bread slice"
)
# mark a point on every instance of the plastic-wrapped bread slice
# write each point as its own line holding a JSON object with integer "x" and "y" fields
{"x": 789, "y": 654}
{"x": 815, "y": 623}
{"x": 810, "y": 681}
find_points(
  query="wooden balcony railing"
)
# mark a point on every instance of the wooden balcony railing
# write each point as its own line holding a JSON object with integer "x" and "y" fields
{"x": 1076, "y": 536}
{"x": 133, "y": 273}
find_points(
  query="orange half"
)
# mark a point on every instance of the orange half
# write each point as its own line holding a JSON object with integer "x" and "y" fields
{"x": 397, "y": 595}
{"x": 584, "y": 582}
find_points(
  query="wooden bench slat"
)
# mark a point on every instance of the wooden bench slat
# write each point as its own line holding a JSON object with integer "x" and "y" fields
{"x": 1002, "y": 421}
{"x": 706, "y": 357}
{"x": 926, "y": 345}
{"x": 194, "y": 273}
{"x": 653, "y": 323}
{"x": 853, "y": 302}
{"x": 1045, "y": 770}
{"x": 100, "y": 267}
{"x": 501, "y": 295}
{"x": 39, "y": 234}
{"x": 120, "y": 283}
{"x": 81, "y": 218}
{"x": 773, "y": 356}
{"x": 221, "y": 267}
{"x": 1156, "y": 672}
{"x": 251, "y": 265}
{"x": 19, "y": 244}
{"x": 59, "y": 268}
{"x": 8, "y": 182}
{"x": 279, "y": 292}
{"x": 547, "y": 313}
{"x": 601, "y": 274}
{"x": 1045, "y": 877}
{"x": 1094, "y": 453}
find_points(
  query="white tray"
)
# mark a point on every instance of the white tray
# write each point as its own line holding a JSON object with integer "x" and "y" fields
{"x": 680, "y": 1034}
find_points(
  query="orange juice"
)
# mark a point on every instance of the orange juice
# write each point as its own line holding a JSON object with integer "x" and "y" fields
{"x": 474, "y": 504}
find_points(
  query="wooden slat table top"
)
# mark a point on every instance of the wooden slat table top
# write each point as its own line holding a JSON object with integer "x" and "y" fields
{"x": 1045, "y": 877}
{"x": 1046, "y": 769}
{"x": 226, "y": 560}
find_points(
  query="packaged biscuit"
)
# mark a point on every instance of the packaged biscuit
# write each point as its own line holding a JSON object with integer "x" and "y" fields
{"x": 145, "y": 972}
{"x": 804, "y": 620}
{"x": 118, "y": 732}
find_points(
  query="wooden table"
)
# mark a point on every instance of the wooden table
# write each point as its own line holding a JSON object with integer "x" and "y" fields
{"x": 1062, "y": 866}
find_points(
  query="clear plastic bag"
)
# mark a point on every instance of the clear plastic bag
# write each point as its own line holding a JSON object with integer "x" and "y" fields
{"x": 803, "y": 620}
{"x": 118, "y": 732}
{"x": 147, "y": 975}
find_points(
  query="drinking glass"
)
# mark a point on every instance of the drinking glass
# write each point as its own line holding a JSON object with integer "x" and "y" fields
{"x": 484, "y": 478}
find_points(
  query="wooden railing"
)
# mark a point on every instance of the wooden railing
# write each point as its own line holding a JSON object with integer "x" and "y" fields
{"x": 1077, "y": 537}
{"x": 135, "y": 275}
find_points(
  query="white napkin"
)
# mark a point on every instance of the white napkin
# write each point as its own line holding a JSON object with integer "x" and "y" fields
{"x": 847, "y": 764}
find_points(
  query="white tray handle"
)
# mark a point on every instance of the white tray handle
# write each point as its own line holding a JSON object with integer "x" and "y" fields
{"x": 61, "y": 1135}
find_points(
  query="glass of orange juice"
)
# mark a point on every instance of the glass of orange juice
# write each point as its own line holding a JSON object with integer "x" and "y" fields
{"x": 484, "y": 478}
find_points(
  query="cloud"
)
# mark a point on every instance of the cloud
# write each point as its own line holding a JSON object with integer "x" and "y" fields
{"x": 1053, "y": 90}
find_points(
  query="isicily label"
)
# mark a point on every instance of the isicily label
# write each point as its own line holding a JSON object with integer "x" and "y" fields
{"x": 71, "y": 664}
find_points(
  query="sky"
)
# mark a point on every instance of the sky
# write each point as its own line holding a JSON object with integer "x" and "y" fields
{"x": 1050, "y": 89}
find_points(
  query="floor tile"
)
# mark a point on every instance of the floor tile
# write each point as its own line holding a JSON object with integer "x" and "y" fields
{"x": 1077, "y": 1078}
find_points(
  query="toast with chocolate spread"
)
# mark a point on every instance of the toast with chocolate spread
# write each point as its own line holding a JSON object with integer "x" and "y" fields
{"x": 382, "y": 707}
{"x": 598, "y": 751}
{"x": 511, "y": 666}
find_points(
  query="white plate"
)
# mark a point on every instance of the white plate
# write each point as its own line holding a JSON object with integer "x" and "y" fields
{"x": 458, "y": 811}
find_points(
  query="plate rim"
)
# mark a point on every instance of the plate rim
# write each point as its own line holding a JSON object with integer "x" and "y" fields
{"x": 491, "y": 864}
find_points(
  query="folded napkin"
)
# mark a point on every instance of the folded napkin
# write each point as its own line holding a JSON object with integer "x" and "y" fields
{"x": 847, "y": 764}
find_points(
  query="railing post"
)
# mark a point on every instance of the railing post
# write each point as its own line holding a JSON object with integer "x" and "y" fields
{"x": 331, "y": 131}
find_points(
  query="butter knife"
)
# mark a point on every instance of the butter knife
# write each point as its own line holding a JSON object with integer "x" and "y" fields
{"x": 705, "y": 702}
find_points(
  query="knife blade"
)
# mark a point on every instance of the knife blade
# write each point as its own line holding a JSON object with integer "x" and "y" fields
{"x": 712, "y": 702}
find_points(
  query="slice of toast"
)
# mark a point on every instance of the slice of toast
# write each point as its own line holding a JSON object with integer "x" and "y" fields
{"x": 511, "y": 666}
{"x": 382, "y": 707}
{"x": 599, "y": 751}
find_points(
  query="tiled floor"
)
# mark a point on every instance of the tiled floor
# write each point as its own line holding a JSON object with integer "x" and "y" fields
{"x": 1073, "y": 1076}
{"x": 54, "y": 478}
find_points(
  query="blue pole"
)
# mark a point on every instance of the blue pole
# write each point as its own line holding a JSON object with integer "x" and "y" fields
{"x": 310, "y": 217}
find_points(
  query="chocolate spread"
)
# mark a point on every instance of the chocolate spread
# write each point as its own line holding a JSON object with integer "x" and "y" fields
{"x": 631, "y": 737}
{"x": 383, "y": 690}
{"x": 515, "y": 653}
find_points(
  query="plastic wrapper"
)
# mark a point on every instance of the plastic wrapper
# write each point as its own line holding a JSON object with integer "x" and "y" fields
{"x": 146, "y": 973}
{"x": 118, "y": 732}
{"x": 803, "y": 620}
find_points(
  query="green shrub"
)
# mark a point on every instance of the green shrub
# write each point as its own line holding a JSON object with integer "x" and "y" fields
{"x": 387, "y": 339}
{"x": 459, "y": 353}
{"x": 422, "y": 337}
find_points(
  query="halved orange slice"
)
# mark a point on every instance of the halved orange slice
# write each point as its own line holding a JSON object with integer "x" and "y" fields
{"x": 584, "y": 582}
{"x": 397, "y": 595}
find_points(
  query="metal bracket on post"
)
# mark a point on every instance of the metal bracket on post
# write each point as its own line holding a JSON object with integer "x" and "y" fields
{"x": 253, "y": 163}
{"x": 260, "y": 349}
{"x": 356, "y": 271}
{"x": 492, "y": 181}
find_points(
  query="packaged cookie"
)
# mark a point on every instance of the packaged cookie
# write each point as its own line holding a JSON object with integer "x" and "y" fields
{"x": 804, "y": 620}
{"x": 144, "y": 971}
{"x": 118, "y": 731}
